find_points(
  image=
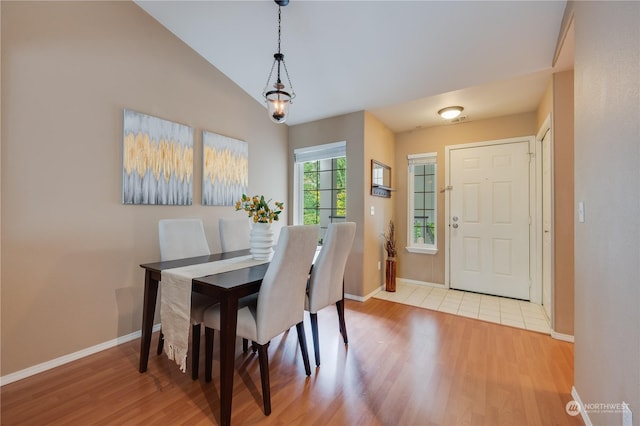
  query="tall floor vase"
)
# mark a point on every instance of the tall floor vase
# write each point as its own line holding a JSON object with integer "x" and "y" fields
{"x": 261, "y": 241}
{"x": 390, "y": 275}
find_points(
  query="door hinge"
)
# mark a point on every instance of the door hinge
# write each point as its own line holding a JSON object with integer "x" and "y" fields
{"x": 531, "y": 155}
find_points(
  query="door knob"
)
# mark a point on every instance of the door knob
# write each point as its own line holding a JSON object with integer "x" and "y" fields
{"x": 455, "y": 226}
{"x": 455, "y": 218}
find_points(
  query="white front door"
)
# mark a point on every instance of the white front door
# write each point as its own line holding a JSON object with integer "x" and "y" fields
{"x": 489, "y": 219}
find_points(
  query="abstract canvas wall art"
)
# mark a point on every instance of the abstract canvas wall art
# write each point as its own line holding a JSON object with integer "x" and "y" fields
{"x": 225, "y": 169}
{"x": 157, "y": 161}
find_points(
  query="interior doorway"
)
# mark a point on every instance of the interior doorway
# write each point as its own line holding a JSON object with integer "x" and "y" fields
{"x": 546, "y": 188}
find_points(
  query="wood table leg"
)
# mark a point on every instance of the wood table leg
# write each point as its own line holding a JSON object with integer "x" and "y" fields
{"x": 228, "y": 323}
{"x": 148, "y": 312}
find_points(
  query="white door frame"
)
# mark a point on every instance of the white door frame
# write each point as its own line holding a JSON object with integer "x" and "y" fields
{"x": 544, "y": 128}
{"x": 535, "y": 291}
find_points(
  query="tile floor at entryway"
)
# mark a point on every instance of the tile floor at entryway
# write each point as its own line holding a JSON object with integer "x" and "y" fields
{"x": 511, "y": 312}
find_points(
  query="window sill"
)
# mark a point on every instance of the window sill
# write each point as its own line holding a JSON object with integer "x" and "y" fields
{"x": 422, "y": 250}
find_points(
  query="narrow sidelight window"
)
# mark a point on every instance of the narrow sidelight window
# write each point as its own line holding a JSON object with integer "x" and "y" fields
{"x": 422, "y": 203}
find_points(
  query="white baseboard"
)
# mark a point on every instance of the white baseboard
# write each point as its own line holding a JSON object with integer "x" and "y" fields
{"x": 354, "y": 297}
{"x": 39, "y": 368}
{"x": 382, "y": 287}
{"x": 564, "y": 337}
{"x": 398, "y": 281}
{"x": 583, "y": 412}
{"x": 363, "y": 298}
{"x": 416, "y": 282}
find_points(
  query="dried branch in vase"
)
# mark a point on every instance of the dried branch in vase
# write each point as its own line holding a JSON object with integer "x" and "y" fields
{"x": 390, "y": 240}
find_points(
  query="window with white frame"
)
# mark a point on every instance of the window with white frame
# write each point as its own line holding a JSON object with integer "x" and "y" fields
{"x": 320, "y": 186}
{"x": 422, "y": 219}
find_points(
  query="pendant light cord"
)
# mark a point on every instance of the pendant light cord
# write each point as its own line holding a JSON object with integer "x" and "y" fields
{"x": 279, "y": 23}
{"x": 286, "y": 72}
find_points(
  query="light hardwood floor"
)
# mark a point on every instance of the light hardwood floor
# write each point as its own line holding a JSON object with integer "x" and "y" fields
{"x": 403, "y": 366}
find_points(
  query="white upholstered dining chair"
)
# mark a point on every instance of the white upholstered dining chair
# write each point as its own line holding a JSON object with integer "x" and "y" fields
{"x": 182, "y": 238}
{"x": 234, "y": 234}
{"x": 278, "y": 306}
{"x": 326, "y": 282}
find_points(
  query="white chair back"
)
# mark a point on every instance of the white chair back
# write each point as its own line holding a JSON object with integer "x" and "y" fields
{"x": 326, "y": 281}
{"x": 180, "y": 238}
{"x": 234, "y": 234}
{"x": 282, "y": 294}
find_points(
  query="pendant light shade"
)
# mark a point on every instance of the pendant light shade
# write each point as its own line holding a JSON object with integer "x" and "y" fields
{"x": 279, "y": 97}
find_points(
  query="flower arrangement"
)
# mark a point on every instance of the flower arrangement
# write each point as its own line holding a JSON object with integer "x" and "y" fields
{"x": 390, "y": 240}
{"x": 258, "y": 209}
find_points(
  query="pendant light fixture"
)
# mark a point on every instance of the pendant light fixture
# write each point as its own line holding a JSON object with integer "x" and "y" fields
{"x": 280, "y": 97}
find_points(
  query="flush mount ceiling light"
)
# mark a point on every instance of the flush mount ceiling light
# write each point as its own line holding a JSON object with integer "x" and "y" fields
{"x": 450, "y": 112}
{"x": 278, "y": 100}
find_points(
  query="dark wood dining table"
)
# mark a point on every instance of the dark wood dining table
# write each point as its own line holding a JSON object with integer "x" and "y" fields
{"x": 227, "y": 287}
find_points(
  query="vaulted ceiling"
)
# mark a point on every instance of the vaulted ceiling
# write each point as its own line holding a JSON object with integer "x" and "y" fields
{"x": 400, "y": 60}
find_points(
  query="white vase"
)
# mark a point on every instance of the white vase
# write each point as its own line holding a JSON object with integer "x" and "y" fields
{"x": 261, "y": 241}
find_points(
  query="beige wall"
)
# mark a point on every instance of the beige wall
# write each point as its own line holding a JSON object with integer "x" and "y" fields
{"x": 558, "y": 102}
{"x": 380, "y": 146}
{"x": 349, "y": 128}
{"x": 607, "y": 180}
{"x": 545, "y": 107}
{"x": 70, "y": 249}
{"x": 563, "y": 204}
{"x": 1, "y": 104}
{"x": 426, "y": 267}
{"x": 367, "y": 138}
